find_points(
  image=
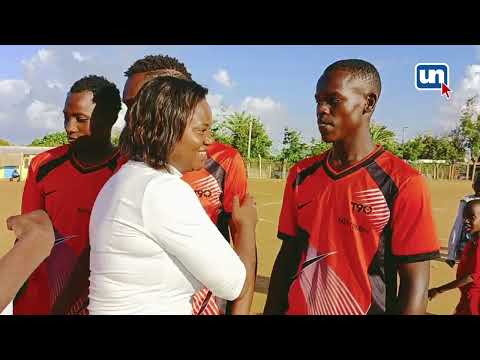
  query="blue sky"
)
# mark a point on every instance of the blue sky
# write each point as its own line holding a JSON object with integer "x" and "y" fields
{"x": 275, "y": 82}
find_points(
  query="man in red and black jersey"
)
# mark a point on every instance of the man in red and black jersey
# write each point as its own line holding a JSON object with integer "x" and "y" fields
{"x": 353, "y": 217}
{"x": 65, "y": 182}
{"x": 223, "y": 177}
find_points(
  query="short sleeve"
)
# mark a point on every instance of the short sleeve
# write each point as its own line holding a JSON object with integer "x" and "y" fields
{"x": 176, "y": 220}
{"x": 414, "y": 236}
{"x": 287, "y": 223}
{"x": 235, "y": 182}
{"x": 32, "y": 198}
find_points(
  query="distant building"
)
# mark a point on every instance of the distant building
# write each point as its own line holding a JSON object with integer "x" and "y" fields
{"x": 17, "y": 157}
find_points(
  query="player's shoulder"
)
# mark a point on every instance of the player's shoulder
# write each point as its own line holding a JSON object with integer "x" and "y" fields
{"x": 49, "y": 155}
{"x": 309, "y": 163}
{"x": 399, "y": 170}
{"x": 219, "y": 150}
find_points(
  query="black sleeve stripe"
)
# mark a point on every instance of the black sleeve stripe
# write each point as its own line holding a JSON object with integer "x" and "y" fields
{"x": 283, "y": 236}
{"x": 45, "y": 169}
{"x": 305, "y": 173}
{"x": 406, "y": 259}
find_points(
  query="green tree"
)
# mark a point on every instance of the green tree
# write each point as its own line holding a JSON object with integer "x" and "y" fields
{"x": 115, "y": 136}
{"x": 413, "y": 148}
{"x": 234, "y": 131}
{"x": 385, "y": 137}
{"x": 432, "y": 147}
{"x": 4, "y": 143}
{"x": 467, "y": 133}
{"x": 316, "y": 147}
{"x": 294, "y": 149}
{"x": 51, "y": 140}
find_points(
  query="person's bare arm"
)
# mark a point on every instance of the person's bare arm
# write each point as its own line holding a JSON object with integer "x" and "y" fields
{"x": 242, "y": 305}
{"x": 412, "y": 295}
{"x": 458, "y": 283}
{"x": 283, "y": 273}
{"x": 35, "y": 237}
{"x": 245, "y": 220}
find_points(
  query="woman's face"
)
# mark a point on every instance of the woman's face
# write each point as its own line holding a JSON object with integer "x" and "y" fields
{"x": 190, "y": 152}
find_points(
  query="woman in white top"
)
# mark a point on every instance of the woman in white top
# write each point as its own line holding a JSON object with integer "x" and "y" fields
{"x": 152, "y": 244}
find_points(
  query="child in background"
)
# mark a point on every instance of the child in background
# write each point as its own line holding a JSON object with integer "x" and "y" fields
{"x": 468, "y": 272}
{"x": 459, "y": 237}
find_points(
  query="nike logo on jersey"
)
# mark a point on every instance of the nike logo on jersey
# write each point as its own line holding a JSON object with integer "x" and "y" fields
{"x": 312, "y": 261}
{"x": 50, "y": 192}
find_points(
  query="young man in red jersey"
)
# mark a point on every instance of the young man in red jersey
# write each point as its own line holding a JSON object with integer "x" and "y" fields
{"x": 223, "y": 177}
{"x": 65, "y": 182}
{"x": 353, "y": 217}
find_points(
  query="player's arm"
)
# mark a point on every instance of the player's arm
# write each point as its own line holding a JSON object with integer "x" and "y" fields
{"x": 289, "y": 256}
{"x": 283, "y": 272}
{"x": 35, "y": 237}
{"x": 414, "y": 244}
{"x": 412, "y": 294}
{"x": 236, "y": 184}
{"x": 458, "y": 283}
{"x": 32, "y": 198}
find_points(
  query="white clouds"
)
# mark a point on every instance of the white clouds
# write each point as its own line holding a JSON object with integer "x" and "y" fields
{"x": 223, "y": 78}
{"x": 54, "y": 84}
{"x": 79, "y": 57}
{"x": 273, "y": 114}
{"x": 214, "y": 100}
{"x": 469, "y": 86}
{"x": 260, "y": 105}
{"x": 42, "y": 56}
{"x": 41, "y": 115}
{"x": 120, "y": 123}
{"x": 13, "y": 92}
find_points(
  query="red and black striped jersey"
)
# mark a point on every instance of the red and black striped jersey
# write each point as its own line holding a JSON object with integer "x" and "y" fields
{"x": 354, "y": 228}
{"x": 223, "y": 176}
{"x": 66, "y": 189}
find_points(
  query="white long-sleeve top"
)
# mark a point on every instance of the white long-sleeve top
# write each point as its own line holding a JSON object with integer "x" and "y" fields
{"x": 153, "y": 246}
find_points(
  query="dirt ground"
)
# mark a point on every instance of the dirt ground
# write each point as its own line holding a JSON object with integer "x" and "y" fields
{"x": 445, "y": 198}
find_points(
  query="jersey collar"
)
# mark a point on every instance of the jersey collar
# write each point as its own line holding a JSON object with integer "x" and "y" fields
{"x": 335, "y": 175}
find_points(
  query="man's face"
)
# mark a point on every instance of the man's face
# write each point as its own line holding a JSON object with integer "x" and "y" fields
{"x": 132, "y": 87}
{"x": 77, "y": 115}
{"x": 472, "y": 218}
{"x": 341, "y": 102}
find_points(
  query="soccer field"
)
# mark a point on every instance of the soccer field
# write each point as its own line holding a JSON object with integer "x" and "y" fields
{"x": 445, "y": 198}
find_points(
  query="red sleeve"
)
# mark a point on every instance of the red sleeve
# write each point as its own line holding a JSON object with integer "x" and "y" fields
{"x": 235, "y": 182}
{"x": 287, "y": 223}
{"x": 414, "y": 235}
{"x": 32, "y": 198}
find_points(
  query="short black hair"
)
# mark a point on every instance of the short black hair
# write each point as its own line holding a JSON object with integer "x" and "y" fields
{"x": 105, "y": 95}
{"x": 360, "y": 69}
{"x": 154, "y": 63}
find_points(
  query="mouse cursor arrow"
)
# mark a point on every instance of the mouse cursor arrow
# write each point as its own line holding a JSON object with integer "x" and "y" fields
{"x": 446, "y": 90}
